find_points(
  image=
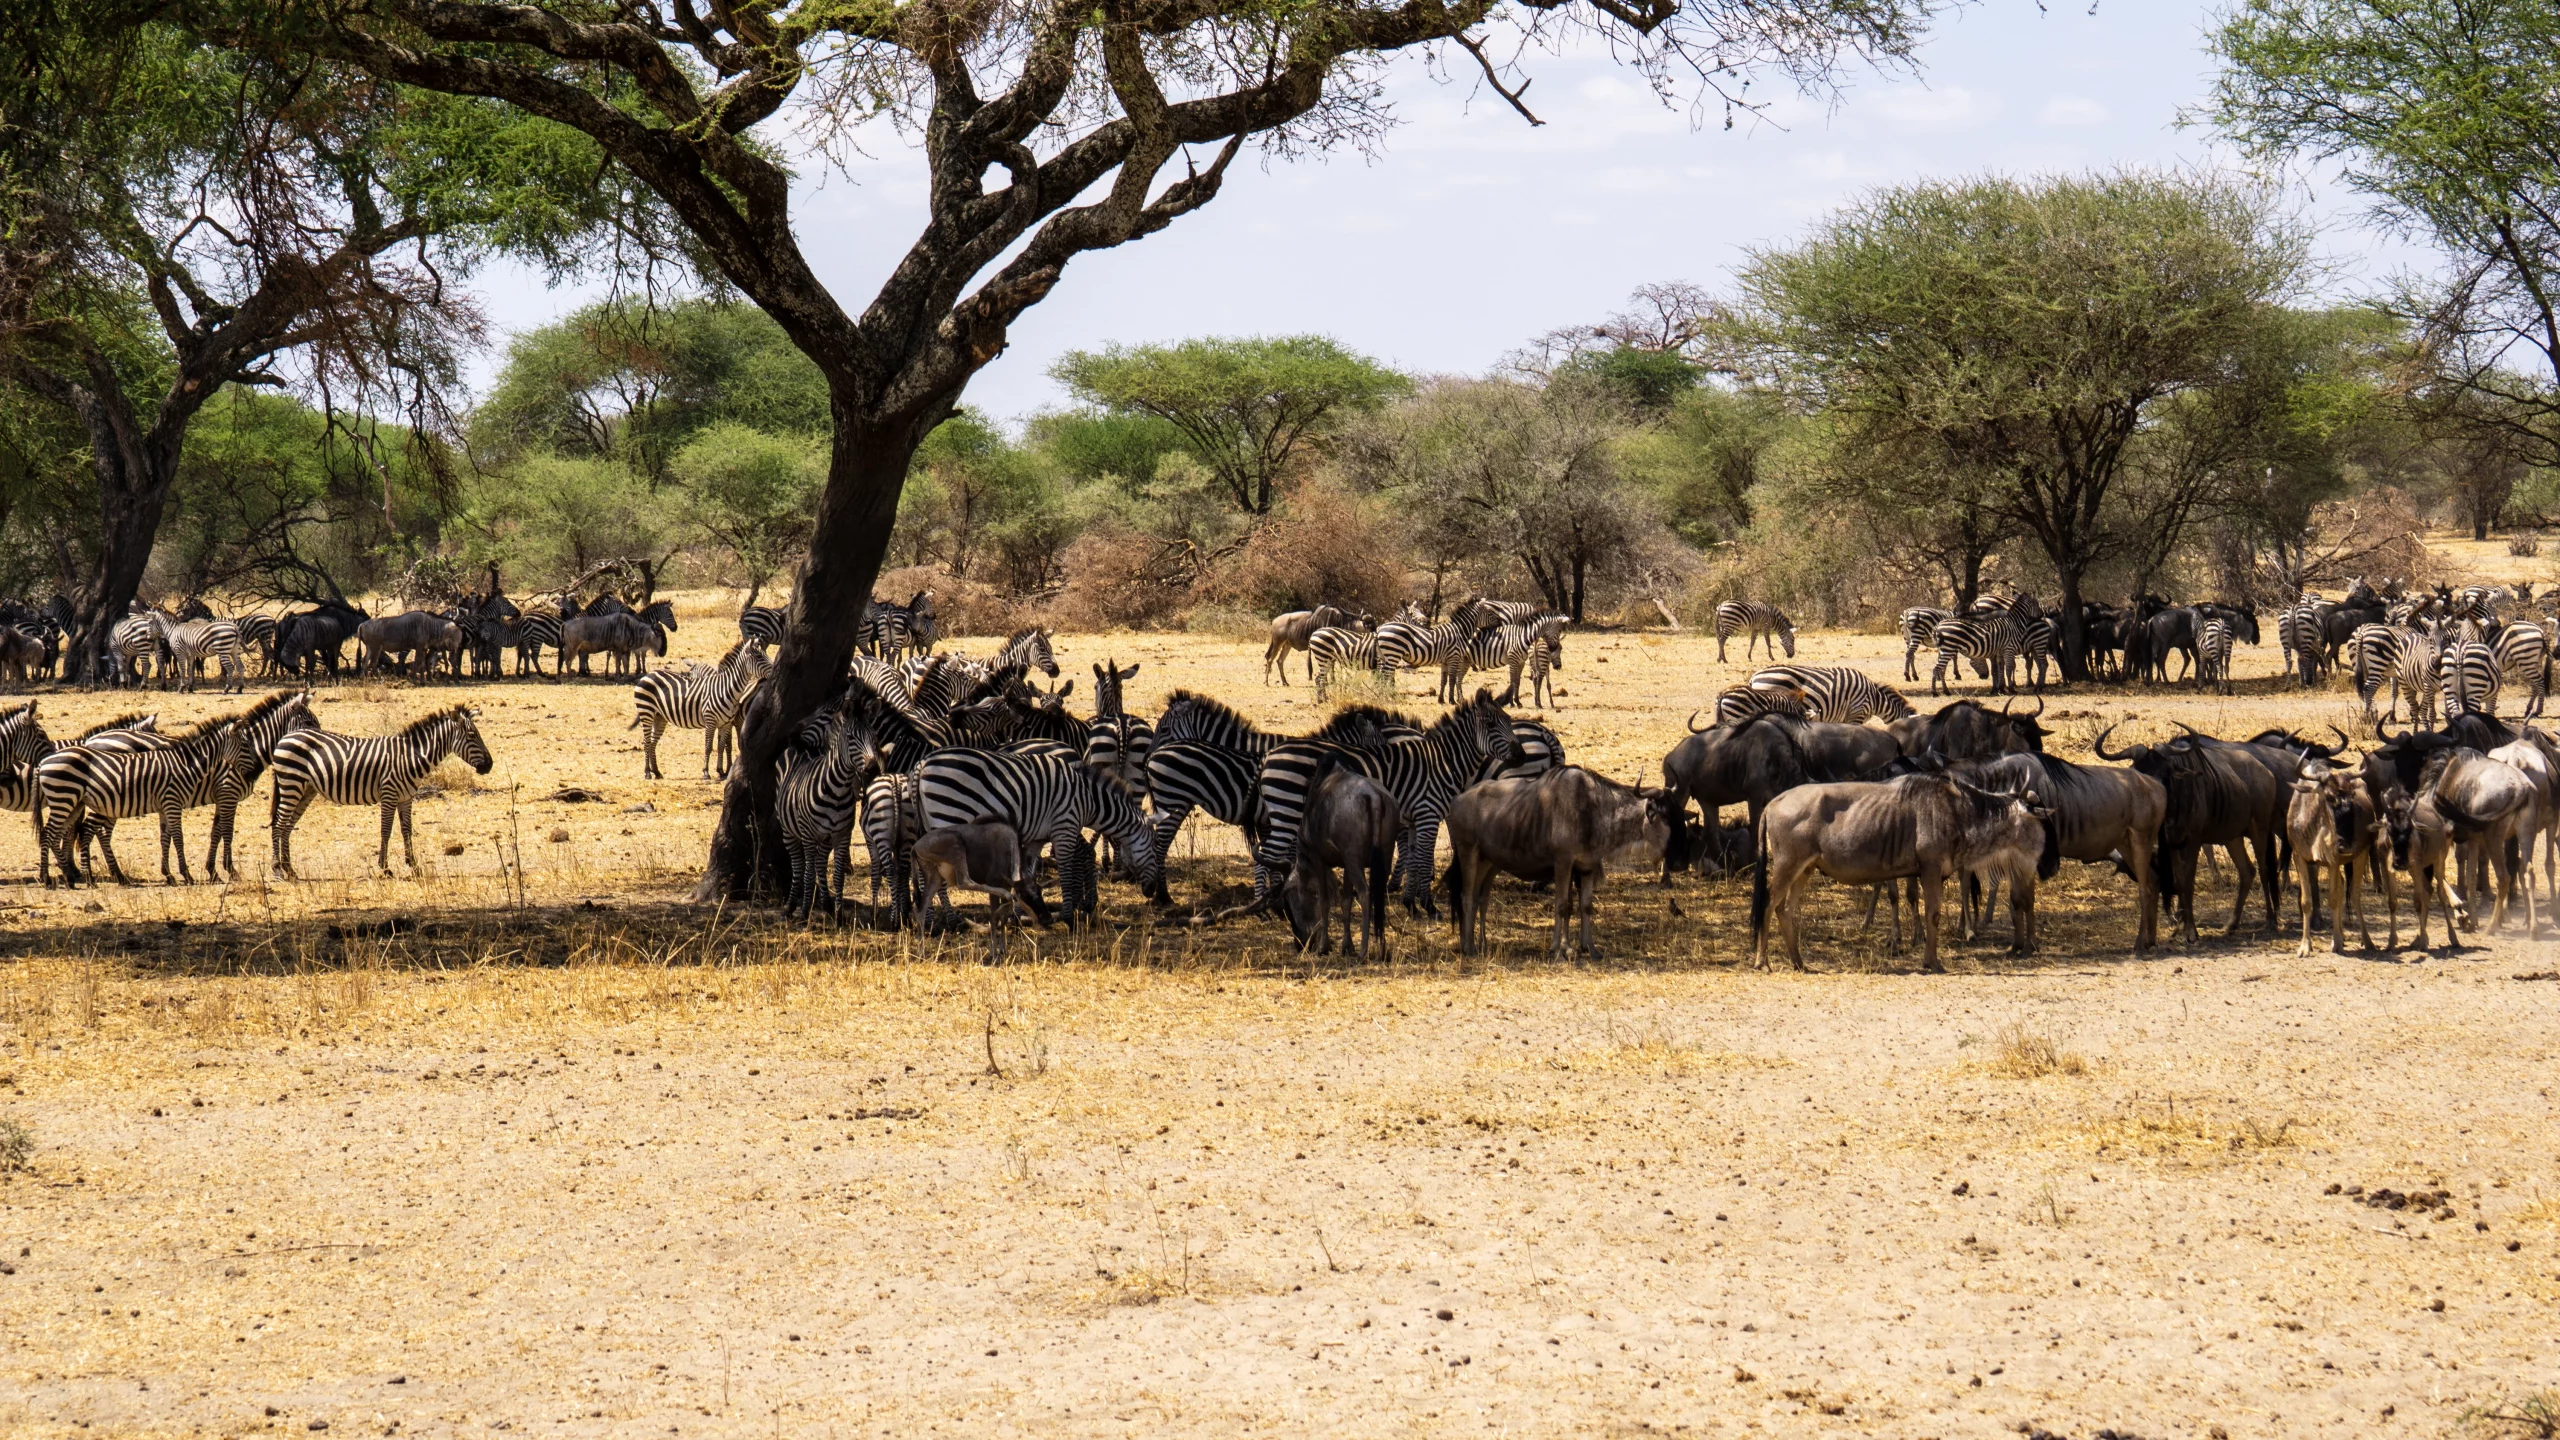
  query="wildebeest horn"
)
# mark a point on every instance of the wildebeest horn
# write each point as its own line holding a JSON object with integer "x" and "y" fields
{"x": 2039, "y": 710}
{"x": 2101, "y": 746}
{"x": 2343, "y": 741}
{"x": 2190, "y": 729}
{"x": 2382, "y": 730}
{"x": 1693, "y": 722}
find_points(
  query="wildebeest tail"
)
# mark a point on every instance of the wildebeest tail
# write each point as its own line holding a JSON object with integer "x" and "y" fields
{"x": 1760, "y": 884}
{"x": 1381, "y": 879}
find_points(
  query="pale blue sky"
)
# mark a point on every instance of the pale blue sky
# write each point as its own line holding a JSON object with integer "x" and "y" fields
{"x": 1473, "y": 232}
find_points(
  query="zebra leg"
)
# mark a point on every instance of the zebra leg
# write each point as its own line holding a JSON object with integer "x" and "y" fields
{"x": 105, "y": 835}
{"x": 382, "y": 853}
{"x": 1423, "y": 841}
{"x": 171, "y": 835}
{"x": 708, "y": 733}
{"x": 281, "y": 818}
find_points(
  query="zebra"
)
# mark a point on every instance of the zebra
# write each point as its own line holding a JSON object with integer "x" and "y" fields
{"x": 1049, "y": 799}
{"x": 1207, "y": 758}
{"x": 1423, "y": 773}
{"x": 1119, "y": 741}
{"x": 1335, "y": 646}
{"x": 2416, "y": 674}
{"x": 84, "y": 783}
{"x": 2213, "y": 655}
{"x": 1762, "y": 621}
{"x": 706, "y": 700}
{"x": 1545, "y": 657}
{"x": 194, "y": 641}
{"x": 815, "y": 800}
{"x": 1502, "y": 645}
{"x": 1991, "y": 643}
{"x": 1535, "y": 750}
{"x": 2524, "y": 661}
{"x": 378, "y": 770}
{"x": 883, "y": 631}
{"x": 1835, "y": 692}
{"x": 125, "y": 732}
{"x": 1403, "y": 645}
{"x": 261, "y": 726}
{"x": 762, "y": 624}
{"x": 891, "y": 825}
{"x": 1029, "y": 648}
{"x": 135, "y": 638}
{"x": 2373, "y": 662}
{"x": 258, "y": 637}
{"x": 2477, "y": 602}
{"x": 1736, "y": 704}
{"x": 2467, "y": 672}
{"x": 2301, "y": 632}
{"x": 537, "y": 630}
{"x": 1919, "y": 631}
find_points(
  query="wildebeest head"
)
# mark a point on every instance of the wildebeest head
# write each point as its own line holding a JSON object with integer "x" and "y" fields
{"x": 2405, "y": 755}
{"x": 2299, "y": 748}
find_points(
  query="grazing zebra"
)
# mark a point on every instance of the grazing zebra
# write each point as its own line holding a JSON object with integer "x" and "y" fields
{"x": 95, "y": 784}
{"x": 1835, "y": 692}
{"x": 1762, "y": 621}
{"x": 1736, "y": 704}
{"x": 1505, "y": 645}
{"x": 1048, "y": 799}
{"x": 815, "y": 799}
{"x": 1335, "y": 647}
{"x": 1404, "y": 645}
{"x": 378, "y": 770}
{"x": 706, "y": 700}
{"x": 2524, "y": 661}
{"x": 1919, "y": 631}
{"x": 1992, "y": 644}
{"x": 2213, "y": 655}
{"x": 1423, "y": 773}
{"x": 762, "y": 624}
{"x": 192, "y": 642}
{"x": 2467, "y": 672}
{"x": 135, "y": 639}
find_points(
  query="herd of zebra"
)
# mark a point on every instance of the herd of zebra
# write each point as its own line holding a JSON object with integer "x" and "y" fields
{"x": 1480, "y": 634}
{"x": 128, "y": 769}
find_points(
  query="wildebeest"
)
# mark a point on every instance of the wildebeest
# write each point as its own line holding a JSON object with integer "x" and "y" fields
{"x": 986, "y": 857}
{"x": 421, "y": 634}
{"x": 1875, "y": 832}
{"x": 1290, "y": 632}
{"x": 2219, "y": 793}
{"x": 317, "y": 637}
{"x": 2333, "y": 824}
{"x": 1749, "y": 763}
{"x": 1351, "y": 825}
{"x": 1967, "y": 730}
{"x": 1564, "y": 826}
{"x": 628, "y": 638}
{"x": 2099, "y": 813}
{"x": 2482, "y": 805}
{"x": 21, "y": 653}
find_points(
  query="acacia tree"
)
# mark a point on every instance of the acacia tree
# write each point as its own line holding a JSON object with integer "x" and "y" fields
{"x": 2440, "y": 111}
{"x": 1049, "y": 129}
{"x": 2031, "y": 330}
{"x": 1244, "y": 408}
{"x": 181, "y": 219}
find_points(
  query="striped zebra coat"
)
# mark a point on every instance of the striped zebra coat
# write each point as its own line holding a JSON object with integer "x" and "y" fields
{"x": 1545, "y": 658}
{"x": 1737, "y": 704}
{"x": 762, "y": 624}
{"x": 1504, "y": 645}
{"x": 261, "y": 726}
{"x": 2467, "y": 674}
{"x": 192, "y": 642}
{"x": 1993, "y": 644}
{"x": 1208, "y": 759}
{"x": 2524, "y": 662}
{"x": 134, "y": 642}
{"x": 1048, "y": 799}
{"x": 1403, "y": 645}
{"x": 1919, "y": 632}
{"x": 1118, "y": 743}
{"x": 1422, "y": 772}
{"x": 2213, "y": 655}
{"x": 2301, "y": 632}
{"x": 378, "y": 770}
{"x": 1836, "y": 692}
{"x": 1762, "y": 623}
{"x": 97, "y": 784}
{"x": 816, "y": 798}
{"x": 706, "y": 700}
{"x": 891, "y": 825}
{"x": 537, "y": 630}
{"x": 1336, "y": 648}
{"x": 26, "y": 791}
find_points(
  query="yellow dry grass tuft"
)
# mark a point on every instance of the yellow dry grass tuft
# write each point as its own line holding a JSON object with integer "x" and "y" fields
{"x": 2540, "y": 1211}
{"x": 2028, "y": 1054}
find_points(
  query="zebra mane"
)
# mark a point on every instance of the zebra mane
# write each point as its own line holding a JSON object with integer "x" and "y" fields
{"x": 121, "y": 722}
{"x": 419, "y": 727}
{"x": 265, "y": 707}
{"x": 1018, "y": 636}
{"x": 1368, "y": 720}
{"x": 1218, "y": 711}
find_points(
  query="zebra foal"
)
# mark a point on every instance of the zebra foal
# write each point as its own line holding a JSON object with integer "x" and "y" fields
{"x": 378, "y": 770}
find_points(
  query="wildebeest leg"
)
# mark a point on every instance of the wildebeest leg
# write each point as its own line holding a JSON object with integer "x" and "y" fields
{"x": 2182, "y": 891}
{"x": 2022, "y": 915}
{"x": 1479, "y": 893}
{"x": 1933, "y": 884}
{"x": 2302, "y": 901}
{"x": 1563, "y": 886}
{"x": 1588, "y": 882}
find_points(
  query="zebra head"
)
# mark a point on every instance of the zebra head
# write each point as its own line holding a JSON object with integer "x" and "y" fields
{"x": 1107, "y": 679}
{"x": 462, "y": 736}
{"x": 1488, "y": 732}
{"x": 21, "y": 738}
{"x": 1786, "y": 631}
{"x": 1031, "y": 650}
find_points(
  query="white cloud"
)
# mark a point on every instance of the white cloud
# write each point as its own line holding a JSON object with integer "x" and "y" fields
{"x": 1948, "y": 107}
{"x": 2072, "y": 110}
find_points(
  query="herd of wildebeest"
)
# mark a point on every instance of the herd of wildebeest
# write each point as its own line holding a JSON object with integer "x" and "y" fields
{"x": 961, "y": 771}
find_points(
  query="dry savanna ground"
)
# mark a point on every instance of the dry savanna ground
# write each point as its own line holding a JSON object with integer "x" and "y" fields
{"x": 526, "y": 1144}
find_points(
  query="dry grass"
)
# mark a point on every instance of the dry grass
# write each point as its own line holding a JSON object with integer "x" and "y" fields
{"x": 569, "y": 1154}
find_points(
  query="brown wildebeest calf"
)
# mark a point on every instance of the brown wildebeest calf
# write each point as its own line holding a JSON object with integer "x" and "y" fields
{"x": 1290, "y": 632}
{"x": 2335, "y": 827}
{"x": 1874, "y": 832}
{"x": 1563, "y": 826}
{"x": 1350, "y": 825}
{"x": 987, "y": 857}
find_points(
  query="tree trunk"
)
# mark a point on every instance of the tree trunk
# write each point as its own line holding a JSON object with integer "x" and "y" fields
{"x": 1576, "y": 612}
{"x": 1971, "y": 586}
{"x": 135, "y": 471}
{"x": 866, "y": 470}
{"x": 2072, "y": 636}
